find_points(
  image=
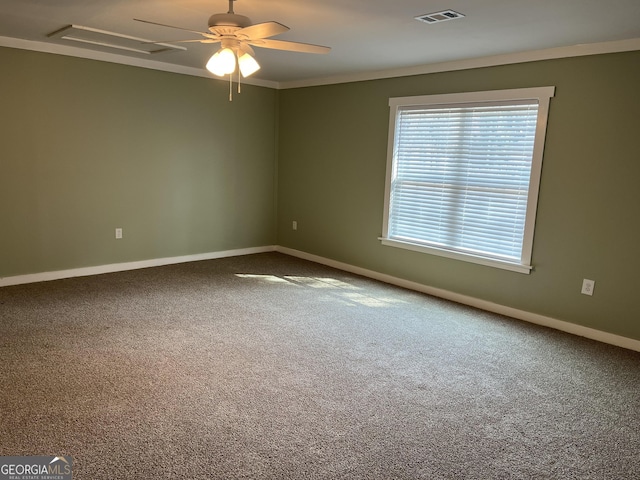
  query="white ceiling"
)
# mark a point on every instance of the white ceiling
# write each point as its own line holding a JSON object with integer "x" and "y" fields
{"x": 364, "y": 35}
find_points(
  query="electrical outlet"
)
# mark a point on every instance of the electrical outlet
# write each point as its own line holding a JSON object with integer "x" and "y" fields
{"x": 118, "y": 233}
{"x": 294, "y": 225}
{"x": 588, "y": 286}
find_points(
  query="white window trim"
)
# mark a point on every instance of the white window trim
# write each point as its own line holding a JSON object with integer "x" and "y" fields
{"x": 543, "y": 95}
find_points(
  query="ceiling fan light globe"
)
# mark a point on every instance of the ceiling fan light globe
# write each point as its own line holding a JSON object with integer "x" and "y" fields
{"x": 213, "y": 65}
{"x": 227, "y": 60}
{"x": 248, "y": 65}
{"x": 222, "y": 62}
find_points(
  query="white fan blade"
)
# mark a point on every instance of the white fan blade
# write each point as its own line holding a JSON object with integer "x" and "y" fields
{"x": 261, "y": 30}
{"x": 204, "y": 34}
{"x": 182, "y": 41}
{"x": 244, "y": 48}
{"x": 289, "y": 46}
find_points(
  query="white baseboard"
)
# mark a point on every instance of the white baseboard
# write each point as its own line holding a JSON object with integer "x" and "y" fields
{"x": 572, "y": 328}
{"x": 121, "y": 267}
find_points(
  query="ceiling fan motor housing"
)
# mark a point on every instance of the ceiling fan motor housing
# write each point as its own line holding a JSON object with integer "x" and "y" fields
{"x": 228, "y": 20}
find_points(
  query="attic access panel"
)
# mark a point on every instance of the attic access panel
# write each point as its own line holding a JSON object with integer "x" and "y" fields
{"x": 93, "y": 37}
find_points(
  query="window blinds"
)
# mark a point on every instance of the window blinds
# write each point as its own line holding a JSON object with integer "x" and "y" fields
{"x": 460, "y": 178}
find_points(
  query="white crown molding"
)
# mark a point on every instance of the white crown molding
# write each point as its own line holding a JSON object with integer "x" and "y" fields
{"x": 70, "y": 51}
{"x": 122, "y": 267}
{"x": 579, "y": 330}
{"x": 491, "y": 61}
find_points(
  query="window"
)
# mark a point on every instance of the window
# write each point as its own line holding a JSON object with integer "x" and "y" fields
{"x": 463, "y": 172}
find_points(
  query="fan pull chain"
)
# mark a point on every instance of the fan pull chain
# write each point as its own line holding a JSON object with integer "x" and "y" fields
{"x": 239, "y": 81}
{"x": 230, "y": 87}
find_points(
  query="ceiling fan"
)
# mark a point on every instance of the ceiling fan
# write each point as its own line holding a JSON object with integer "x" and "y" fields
{"x": 236, "y": 35}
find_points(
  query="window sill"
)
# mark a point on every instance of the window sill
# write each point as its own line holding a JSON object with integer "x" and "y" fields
{"x": 489, "y": 262}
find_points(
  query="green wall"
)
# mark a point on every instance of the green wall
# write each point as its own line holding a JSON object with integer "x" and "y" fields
{"x": 89, "y": 146}
{"x": 332, "y": 158}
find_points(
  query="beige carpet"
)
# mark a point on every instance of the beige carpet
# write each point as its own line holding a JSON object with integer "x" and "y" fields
{"x": 270, "y": 367}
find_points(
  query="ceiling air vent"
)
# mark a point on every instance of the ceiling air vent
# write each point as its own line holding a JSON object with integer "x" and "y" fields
{"x": 442, "y": 16}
